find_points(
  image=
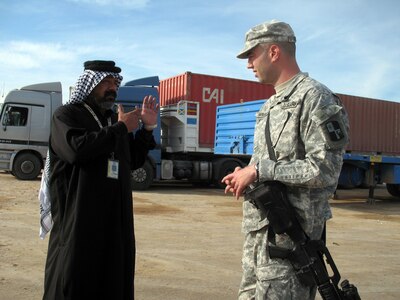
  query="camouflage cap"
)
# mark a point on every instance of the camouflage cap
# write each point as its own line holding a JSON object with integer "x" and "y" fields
{"x": 272, "y": 31}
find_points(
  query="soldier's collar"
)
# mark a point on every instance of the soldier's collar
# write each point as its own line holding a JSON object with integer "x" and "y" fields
{"x": 290, "y": 87}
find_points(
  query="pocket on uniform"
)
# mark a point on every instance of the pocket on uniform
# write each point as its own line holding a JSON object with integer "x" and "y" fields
{"x": 283, "y": 129}
{"x": 274, "y": 281}
{"x": 284, "y": 288}
{"x": 260, "y": 116}
{"x": 274, "y": 269}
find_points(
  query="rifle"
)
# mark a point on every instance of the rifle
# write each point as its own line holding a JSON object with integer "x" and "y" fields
{"x": 307, "y": 256}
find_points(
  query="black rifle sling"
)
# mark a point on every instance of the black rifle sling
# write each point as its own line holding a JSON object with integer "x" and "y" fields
{"x": 272, "y": 156}
{"x": 271, "y": 151}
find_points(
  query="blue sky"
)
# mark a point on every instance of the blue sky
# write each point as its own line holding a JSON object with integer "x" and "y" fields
{"x": 352, "y": 46}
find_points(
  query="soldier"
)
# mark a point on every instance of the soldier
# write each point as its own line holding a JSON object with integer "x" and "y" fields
{"x": 308, "y": 127}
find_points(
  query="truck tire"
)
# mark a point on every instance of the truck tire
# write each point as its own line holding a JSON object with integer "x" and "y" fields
{"x": 27, "y": 166}
{"x": 350, "y": 176}
{"x": 226, "y": 168}
{"x": 393, "y": 189}
{"x": 142, "y": 178}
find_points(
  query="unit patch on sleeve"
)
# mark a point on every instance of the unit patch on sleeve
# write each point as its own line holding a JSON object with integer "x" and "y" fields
{"x": 331, "y": 123}
{"x": 334, "y": 131}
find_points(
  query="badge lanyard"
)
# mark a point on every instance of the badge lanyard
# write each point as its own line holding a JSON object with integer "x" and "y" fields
{"x": 113, "y": 164}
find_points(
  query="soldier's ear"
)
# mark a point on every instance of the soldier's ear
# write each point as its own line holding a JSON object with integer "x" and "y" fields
{"x": 274, "y": 52}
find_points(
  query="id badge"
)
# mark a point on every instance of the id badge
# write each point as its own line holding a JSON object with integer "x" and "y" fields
{"x": 113, "y": 167}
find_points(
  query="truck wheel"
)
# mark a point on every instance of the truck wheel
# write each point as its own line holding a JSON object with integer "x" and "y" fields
{"x": 142, "y": 178}
{"x": 26, "y": 166}
{"x": 350, "y": 176}
{"x": 393, "y": 189}
{"x": 226, "y": 168}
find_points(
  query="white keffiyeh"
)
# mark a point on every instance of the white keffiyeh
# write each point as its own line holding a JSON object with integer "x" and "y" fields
{"x": 84, "y": 86}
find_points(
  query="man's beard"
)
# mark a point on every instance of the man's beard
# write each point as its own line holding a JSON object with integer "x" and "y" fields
{"x": 108, "y": 101}
{"x": 107, "y": 105}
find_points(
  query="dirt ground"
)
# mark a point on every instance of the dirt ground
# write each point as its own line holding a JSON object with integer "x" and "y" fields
{"x": 189, "y": 242}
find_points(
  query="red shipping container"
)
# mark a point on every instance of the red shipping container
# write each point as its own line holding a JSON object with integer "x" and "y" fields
{"x": 211, "y": 91}
{"x": 374, "y": 125}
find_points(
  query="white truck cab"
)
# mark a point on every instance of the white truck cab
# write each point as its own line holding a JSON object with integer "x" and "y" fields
{"x": 25, "y": 128}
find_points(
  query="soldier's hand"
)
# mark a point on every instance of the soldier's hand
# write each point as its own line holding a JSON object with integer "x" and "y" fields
{"x": 239, "y": 180}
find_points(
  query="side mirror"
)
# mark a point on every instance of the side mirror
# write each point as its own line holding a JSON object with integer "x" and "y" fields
{"x": 6, "y": 119}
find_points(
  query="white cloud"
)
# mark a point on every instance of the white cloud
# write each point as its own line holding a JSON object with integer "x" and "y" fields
{"x": 25, "y": 62}
{"x": 28, "y": 55}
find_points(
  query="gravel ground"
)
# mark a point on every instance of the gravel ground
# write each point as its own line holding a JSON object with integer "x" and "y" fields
{"x": 189, "y": 242}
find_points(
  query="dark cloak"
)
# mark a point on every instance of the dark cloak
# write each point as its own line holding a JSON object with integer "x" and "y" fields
{"x": 91, "y": 253}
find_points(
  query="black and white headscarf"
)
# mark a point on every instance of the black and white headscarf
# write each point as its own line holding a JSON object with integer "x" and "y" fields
{"x": 83, "y": 87}
{"x": 87, "y": 82}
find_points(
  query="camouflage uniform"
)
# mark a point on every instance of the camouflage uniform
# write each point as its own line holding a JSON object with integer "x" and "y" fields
{"x": 309, "y": 133}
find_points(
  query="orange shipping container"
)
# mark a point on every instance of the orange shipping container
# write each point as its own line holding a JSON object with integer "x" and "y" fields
{"x": 374, "y": 125}
{"x": 210, "y": 91}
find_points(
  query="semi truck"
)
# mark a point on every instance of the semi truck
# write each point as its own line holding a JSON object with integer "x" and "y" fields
{"x": 185, "y": 132}
{"x": 25, "y": 127}
{"x": 372, "y": 156}
{"x": 204, "y": 132}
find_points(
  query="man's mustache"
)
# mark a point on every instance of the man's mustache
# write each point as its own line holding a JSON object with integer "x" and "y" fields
{"x": 110, "y": 93}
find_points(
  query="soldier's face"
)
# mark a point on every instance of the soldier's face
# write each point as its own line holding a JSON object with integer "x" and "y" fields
{"x": 260, "y": 62}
